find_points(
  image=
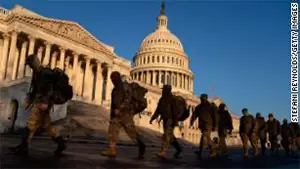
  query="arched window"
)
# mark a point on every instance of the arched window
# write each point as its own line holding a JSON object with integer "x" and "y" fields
{"x": 163, "y": 59}
{"x": 148, "y": 59}
{"x": 144, "y": 60}
{"x": 172, "y": 60}
{"x": 168, "y": 61}
{"x": 157, "y": 59}
{"x": 177, "y": 61}
{"x": 153, "y": 59}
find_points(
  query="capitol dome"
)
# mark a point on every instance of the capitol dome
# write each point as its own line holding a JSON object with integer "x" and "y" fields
{"x": 161, "y": 59}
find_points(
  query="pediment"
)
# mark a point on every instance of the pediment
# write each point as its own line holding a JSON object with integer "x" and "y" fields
{"x": 69, "y": 30}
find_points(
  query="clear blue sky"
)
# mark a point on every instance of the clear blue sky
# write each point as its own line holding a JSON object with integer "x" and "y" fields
{"x": 241, "y": 49}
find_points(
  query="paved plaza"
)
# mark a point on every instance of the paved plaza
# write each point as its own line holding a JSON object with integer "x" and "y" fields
{"x": 79, "y": 155}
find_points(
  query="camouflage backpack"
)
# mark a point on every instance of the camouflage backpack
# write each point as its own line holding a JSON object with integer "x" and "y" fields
{"x": 62, "y": 90}
{"x": 181, "y": 107}
{"x": 138, "y": 97}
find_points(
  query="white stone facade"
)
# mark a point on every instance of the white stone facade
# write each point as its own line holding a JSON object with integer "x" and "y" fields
{"x": 88, "y": 62}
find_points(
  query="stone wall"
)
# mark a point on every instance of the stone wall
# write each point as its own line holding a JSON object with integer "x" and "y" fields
{"x": 12, "y": 96}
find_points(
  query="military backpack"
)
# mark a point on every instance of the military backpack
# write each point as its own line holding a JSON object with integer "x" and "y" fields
{"x": 181, "y": 107}
{"x": 62, "y": 90}
{"x": 138, "y": 97}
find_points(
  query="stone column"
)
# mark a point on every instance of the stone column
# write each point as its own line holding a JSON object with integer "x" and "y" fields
{"x": 87, "y": 83}
{"x": 47, "y": 54}
{"x": 166, "y": 77}
{"x": 149, "y": 77}
{"x": 74, "y": 71}
{"x": 30, "y": 52}
{"x": 192, "y": 85}
{"x": 159, "y": 78}
{"x": 12, "y": 53}
{"x": 154, "y": 78}
{"x": 182, "y": 81}
{"x": 40, "y": 53}
{"x": 15, "y": 67}
{"x": 178, "y": 80}
{"x": 4, "y": 56}
{"x": 21, "y": 71}
{"x": 79, "y": 79}
{"x": 54, "y": 59}
{"x": 99, "y": 83}
{"x": 109, "y": 85}
{"x": 62, "y": 58}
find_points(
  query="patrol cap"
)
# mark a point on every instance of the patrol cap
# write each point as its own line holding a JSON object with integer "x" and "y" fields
{"x": 285, "y": 120}
{"x": 222, "y": 105}
{"x": 167, "y": 87}
{"x": 258, "y": 114}
{"x": 204, "y": 96}
{"x": 271, "y": 115}
{"x": 115, "y": 74}
{"x": 244, "y": 110}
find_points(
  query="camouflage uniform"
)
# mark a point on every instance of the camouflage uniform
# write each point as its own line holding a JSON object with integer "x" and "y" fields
{"x": 170, "y": 120}
{"x": 286, "y": 134}
{"x": 273, "y": 128}
{"x": 207, "y": 118}
{"x": 39, "y": 97}
{"x": 122, "y": 113}
{"x": 247, "y": 132}
{"x": 261, "y": 132}
{"x": 224, "y": 125}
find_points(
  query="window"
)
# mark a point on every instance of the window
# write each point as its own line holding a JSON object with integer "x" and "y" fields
{"x": 148, "y": 59}
{"x": 157, "y": 59}
{"x": 144, "y": 60}
{"x": 177, "y": 61}
{"x": 158, "y": 40}
{"x": 163, "y": 59}
{"x": 168, "y": 59}
{"x": 172, "y": 60}
{"x": 153, "y": 59}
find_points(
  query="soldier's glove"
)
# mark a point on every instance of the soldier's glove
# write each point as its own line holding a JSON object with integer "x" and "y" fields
{"x": 117, "y": 112}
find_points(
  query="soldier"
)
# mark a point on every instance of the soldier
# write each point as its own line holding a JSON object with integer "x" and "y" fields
{"x": 169, "y": 117}
{"x": 295, "y": 136}
{"x": 248, "y": 132}
{"x": 39, "y": 101}
{"x": 261, "y": 132}
{"x": 225, "y": 127}
{"x": 207, "y": 118}
{"x": 121, "y": 116}
{"x": 273, "y": 129}
{"x": 286, "y": 134}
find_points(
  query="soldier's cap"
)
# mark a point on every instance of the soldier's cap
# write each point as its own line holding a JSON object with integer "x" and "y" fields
{"x": 244, "y": 110}
{"x": 222, "y": 105}
{"x": 29, "y": 59}
{"x": 115, "y": 74}
{"x": 285, "y": 120}
{"x": 258, "y": 114}
{"x": 204, "y": 96}
{"x": 167, "y": 87}
{"x": 271, "y": 115}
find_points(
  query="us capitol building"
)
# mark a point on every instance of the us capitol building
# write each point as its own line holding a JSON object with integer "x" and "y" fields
{"x": 160, "y": 60}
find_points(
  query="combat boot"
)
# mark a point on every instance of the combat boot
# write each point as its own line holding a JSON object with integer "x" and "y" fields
{"x": 142, "y": 149}
{"x": 111, "y": 151}
{"x": 61, "y": 146}
{"x": 22, "y": 149}
{"x": 178, "y": 148}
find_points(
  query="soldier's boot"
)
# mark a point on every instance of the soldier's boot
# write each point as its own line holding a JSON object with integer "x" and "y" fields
{"x": 142, "y": 149}
{"x": 61, "y": 146}
{"x": 178, "y": 148}
{"x": 161, "y": 153}
{"x": 212, "y": 151}
{"x": 111, "y": 151}
{"x": 22, "y": 148}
